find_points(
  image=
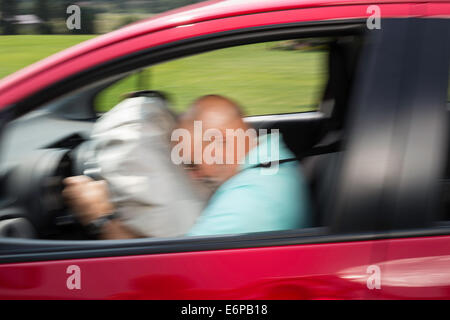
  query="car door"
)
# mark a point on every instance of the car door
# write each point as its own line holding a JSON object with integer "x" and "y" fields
{"x": 331, "y": 261}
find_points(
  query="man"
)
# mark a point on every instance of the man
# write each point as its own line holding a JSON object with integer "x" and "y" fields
{"x": 255, "y": 189}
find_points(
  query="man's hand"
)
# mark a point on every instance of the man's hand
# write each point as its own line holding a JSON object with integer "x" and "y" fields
{"x": 88, "y": 198}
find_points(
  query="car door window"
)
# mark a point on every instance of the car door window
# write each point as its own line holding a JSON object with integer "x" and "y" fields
{"x": 266, "y": 78}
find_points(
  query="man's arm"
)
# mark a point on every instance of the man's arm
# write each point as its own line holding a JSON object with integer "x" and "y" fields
{"x": 90, "y": 201}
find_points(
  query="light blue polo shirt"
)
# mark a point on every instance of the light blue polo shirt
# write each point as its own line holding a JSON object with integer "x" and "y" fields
{"x": 258, "y": 199}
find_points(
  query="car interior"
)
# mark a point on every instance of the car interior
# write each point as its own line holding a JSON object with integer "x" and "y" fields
{"x": 34, "y": 162}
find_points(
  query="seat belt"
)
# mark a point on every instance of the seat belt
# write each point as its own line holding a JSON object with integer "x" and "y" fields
{"x": 333, "y": 147}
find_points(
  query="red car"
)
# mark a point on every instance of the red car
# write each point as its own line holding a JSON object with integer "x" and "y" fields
{"x": 379, "y": 185}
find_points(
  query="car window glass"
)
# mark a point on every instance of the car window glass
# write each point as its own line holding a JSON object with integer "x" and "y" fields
{"x": 266, "y": 78}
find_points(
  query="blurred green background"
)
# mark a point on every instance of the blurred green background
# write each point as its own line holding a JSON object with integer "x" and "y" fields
{"x": 263, "y": 78}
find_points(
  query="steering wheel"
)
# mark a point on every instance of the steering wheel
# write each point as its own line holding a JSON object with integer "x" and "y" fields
{"x": 34, "y": 192}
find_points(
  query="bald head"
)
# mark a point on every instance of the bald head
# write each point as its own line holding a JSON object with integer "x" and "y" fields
{"x": 217, "y": 112}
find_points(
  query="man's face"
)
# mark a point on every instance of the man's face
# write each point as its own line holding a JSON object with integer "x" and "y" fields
{"x": 211, "y": 170}
{"x": 207, "y": 160}
{"x": 215, "y": 149}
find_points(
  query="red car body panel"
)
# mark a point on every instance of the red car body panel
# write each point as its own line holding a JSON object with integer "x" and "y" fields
{"x": 410, "y": 268}
{"x": 222, "y": 274}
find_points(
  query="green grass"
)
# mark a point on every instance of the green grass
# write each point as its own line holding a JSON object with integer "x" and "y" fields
{"x": 261, "y": 79}
{"x": 17, "y": 52}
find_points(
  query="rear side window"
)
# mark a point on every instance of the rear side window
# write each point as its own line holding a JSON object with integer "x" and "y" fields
{"x": 265, "y": 78}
